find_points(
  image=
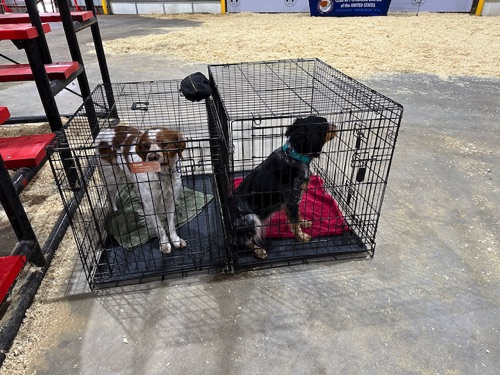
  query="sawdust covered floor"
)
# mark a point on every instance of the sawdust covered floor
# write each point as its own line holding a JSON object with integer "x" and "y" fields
{"x": 441, "y": 44}
{"x": 40, "y": 198}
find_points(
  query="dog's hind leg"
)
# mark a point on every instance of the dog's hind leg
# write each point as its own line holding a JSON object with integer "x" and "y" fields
{"x": 255, "y": 242}
{"x": 258, "y": 251}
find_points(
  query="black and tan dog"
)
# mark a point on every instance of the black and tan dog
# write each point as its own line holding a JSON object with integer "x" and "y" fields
{"x": 278, "y": 182}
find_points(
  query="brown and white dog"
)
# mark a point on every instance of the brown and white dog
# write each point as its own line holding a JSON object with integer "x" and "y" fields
{"x": 146, "y": 160}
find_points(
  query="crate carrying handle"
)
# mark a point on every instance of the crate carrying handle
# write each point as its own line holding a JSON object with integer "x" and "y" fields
{"x": 139, "y": 106}
{"x": 360, "y": 175}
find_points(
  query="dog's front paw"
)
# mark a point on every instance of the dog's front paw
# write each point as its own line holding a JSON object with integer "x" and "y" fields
{"x": 303, "y": 237}
{"x": 180, "y": 243}
{"x": 260, "y": 253}
{"x": 306, "y": 223}
{"x": 165, "y": 248}
{"x": 297, "y": 231}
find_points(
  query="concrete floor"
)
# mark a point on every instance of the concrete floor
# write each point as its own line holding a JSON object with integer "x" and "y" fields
{"x": 427, "y": 303}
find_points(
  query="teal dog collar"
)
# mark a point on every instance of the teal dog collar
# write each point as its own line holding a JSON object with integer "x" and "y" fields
{"x": 295, "y": 155}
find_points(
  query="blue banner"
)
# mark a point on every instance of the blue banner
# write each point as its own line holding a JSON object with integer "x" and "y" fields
{"x": 349, "y": 8}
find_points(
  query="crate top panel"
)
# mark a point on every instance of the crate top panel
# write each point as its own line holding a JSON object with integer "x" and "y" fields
{"x": 143, "y": 105}
{"x": 292, "y": 88}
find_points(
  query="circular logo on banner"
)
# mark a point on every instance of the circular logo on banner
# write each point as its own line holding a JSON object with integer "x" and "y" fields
{"x": 234, "y": 3}
{"x": 325, "y": 6}
{"x": 290, "y": 3}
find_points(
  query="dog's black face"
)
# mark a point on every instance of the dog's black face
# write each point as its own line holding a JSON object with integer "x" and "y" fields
{"x": 278, "y": 183}
{"x": 308, "y": 135}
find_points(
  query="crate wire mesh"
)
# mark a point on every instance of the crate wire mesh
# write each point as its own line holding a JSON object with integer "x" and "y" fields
{"x": 118, "y": 247}
{"x": 257, "y": 101}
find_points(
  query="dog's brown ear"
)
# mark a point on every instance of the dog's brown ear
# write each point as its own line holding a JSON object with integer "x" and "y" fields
{"x": 332, "y": 133}
{"x": 106, "y": 151}
{"x": 180, "y": 145}
{"x": 174, "y": 141}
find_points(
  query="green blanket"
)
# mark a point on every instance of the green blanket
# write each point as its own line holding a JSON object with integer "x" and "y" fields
{"x": 128, "y": 225}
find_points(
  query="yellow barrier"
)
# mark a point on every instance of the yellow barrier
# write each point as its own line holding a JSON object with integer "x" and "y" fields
{"x": 479, "y": 8}
{"x": 222, "y": 6}
{"x": 104, "y": 7}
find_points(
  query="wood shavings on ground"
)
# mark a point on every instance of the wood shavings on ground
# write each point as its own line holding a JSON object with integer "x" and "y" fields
{"x": 441, "y": 44}
{"x": 40, "y": 198}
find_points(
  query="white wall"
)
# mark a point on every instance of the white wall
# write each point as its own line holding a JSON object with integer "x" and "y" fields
{"x": 163, "y": 7}
{"x": 432, "y": 6}
{"x": 491, "y": 8}
{"x": 264, "y": 6}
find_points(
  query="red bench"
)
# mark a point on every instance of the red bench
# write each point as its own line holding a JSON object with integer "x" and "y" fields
{"x": 26, "y": 151}
{"x": 22, "y": 72}
{"x": 4, "y": 114}
{"x": 20, "y": 31}
{"x": 44, "y": 17}
{"x": 10, "y": 266}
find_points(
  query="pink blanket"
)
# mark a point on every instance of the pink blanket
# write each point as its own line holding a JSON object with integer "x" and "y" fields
{"x": 317, "y": 206}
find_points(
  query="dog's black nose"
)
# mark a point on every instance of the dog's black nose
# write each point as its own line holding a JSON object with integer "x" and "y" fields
{"x": 152, "y": 157}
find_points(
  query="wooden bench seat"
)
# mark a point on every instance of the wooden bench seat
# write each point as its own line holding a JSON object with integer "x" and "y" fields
{"x": 22, "y": 72}
{"x": 25, "y": 151}
{"x": 20, "y": 31}
{"x": 44, "y": 17}
{"x": 4, "y": 114}
{"x": 10, "y": 266}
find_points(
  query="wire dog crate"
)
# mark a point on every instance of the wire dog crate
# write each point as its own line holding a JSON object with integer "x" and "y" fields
{"x": 257, "y": 101}
{"x": 116, "y": 246}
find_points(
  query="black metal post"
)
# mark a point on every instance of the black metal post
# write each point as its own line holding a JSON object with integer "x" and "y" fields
{"x": 48, "y": 100}
{"x": 101, "y": 58}
{"x": 17, "y": 215}
{"x": 74, "y": 49}
{"x": 43, "y": 85}
{"x": 35, "y": 21}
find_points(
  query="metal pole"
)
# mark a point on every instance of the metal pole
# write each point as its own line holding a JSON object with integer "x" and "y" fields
{"x": 35, "y": 21}
{"x": 101, "y": 58}
{"x": 74, "y": 49}
{"x": 17, "y": 215}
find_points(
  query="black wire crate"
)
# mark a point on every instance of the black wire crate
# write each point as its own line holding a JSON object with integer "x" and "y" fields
{"x": 114, "y": 222}
{"x": 256, "y": 103}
